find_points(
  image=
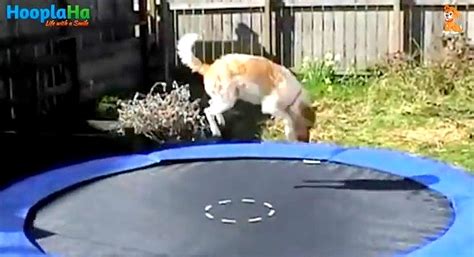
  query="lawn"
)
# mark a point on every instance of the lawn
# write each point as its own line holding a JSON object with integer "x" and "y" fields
{"x": 423, "y": 109}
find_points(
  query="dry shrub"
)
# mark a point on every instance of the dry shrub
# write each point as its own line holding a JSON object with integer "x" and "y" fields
{"x": 457, "y": 47}
{"x": 163, "y": 117}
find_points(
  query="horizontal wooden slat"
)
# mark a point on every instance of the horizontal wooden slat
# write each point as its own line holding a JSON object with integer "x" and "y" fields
{"x": 7, "y": 103}
{"x": 112, "y": 24}
{"x": 46, "y": 61}
{"x": 107, "y": 50}
{"x": 204, "y": 5}
{"x": 94, "y": 67}
{"x": 120, "y": 82}
{"x": 196, "y": 5}
{"x": 27, "y": 40}
{"x": 17, "y": 70}
{"x": 131, "y": 69}
{"x": 216, "y": 5}
{"x": 440, "y": 2}
{"x": 177, "y": 6}
{"x": 58, "y": 89}
{"x": 336, "y": 3}
{"x": 52, "y": 35}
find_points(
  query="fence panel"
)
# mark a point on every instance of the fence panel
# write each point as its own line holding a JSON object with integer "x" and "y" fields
{"x": 430, "y": 16}
{"x": 357, "y": 32}
{"x": 360, "y": 33}
{"x": 223, "y": 27}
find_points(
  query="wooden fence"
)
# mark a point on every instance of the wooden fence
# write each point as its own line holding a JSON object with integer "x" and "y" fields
{"x": 361, "y": 32}
{"x": 46, "y": 70}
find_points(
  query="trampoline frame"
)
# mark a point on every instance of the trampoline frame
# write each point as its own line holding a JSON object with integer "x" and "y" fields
{"x": 454, "y": 183}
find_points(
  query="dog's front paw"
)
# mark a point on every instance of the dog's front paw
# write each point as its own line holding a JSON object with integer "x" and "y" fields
{"x": 220, "y": 120}
{"x": 215, "y": 131}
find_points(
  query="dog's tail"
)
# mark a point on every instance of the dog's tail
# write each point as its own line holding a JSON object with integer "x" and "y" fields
{"x": 186, "y": 55}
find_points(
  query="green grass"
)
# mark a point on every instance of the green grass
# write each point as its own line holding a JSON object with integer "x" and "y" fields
{"x": 427, "y": 110}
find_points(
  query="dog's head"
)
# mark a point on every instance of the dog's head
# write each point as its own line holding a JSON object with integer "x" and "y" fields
{"x": 304, "y": 122}
{"x": 451, "y": 13}
{"x": 303, "y": 134}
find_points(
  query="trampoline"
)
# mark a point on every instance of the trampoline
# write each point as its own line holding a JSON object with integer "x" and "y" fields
{"x": 243, "y": 200}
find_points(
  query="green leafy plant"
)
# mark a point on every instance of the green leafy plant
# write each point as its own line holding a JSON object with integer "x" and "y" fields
{"x": 318, "y": 76}
{"x": 107, "y": 107}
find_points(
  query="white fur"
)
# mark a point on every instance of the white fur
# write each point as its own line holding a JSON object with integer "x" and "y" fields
{"x": 275, "y": 103}
{"x": 185, "y": 48}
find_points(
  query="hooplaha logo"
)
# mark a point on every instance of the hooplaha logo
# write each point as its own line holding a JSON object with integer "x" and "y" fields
{"x": 72, "y": 15}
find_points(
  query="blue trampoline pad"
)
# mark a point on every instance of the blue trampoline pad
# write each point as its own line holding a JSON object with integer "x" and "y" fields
{"x": 243, "y": 199}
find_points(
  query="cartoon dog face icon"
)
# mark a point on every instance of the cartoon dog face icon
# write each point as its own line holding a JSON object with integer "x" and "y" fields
{"x": 451, "y": 14}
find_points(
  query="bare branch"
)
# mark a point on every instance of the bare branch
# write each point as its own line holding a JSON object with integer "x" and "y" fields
{"x": 163, "y": 117}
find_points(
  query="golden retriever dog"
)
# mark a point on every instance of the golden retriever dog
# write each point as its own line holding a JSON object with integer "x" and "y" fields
{"x": 253, "y": 79}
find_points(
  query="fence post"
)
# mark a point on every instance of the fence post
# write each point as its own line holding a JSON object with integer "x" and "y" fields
{"x": 395, "y": 32}
{"x": 267, "y": 27}
{"x": 166, "y": 38}
{"x": 142, "y": 7}
{"x": 63, "y": 4}
{"x": 68, "y": 48}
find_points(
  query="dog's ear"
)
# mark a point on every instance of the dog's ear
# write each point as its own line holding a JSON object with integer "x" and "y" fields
{"x": 456, "y": 13}
{"x": 446, "y": 8}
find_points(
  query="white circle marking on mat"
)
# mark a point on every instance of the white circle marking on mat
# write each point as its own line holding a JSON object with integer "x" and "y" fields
{"x": 271, "y": 211}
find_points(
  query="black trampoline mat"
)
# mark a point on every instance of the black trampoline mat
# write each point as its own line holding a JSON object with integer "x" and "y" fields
{"x": 322, "y": 210}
